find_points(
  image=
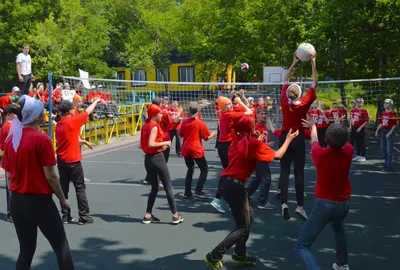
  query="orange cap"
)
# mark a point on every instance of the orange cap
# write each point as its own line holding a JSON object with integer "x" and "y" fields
{"x": 222, "y": 102}
{"x": 77, "y": 98}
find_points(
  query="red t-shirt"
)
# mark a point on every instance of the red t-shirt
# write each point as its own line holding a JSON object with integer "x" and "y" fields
{"x": 4, "y": 133}
{"x": 145, "y": 136}
{"x": 35, "y": 151}
{"x": 388, "y": 119}
{"x": 193, "y": 131}
{"x": 225, "y": 125}
{"x": 337, "y": 113}
{"x": 175, "y": 112}
{"x": 333, "y": 166}
{"x": 92, "y": 95}
{"x": 239, "y": 108}
{"x": 166, "y": 121}
{"x": 293, "y": 114}
{"x": 165, "y": 108}
{"x": 105, "y": 96}
{"x": 5, "y": 100}
{"x": 261, "y": 129}
{"x": 241, "y": 167}
{"x": 313, "y": 114}
{"x": 44, "y": 96}
{"x": 68, "y": 131}
{"x": 321, "y": 120}
{"x": 56, "y": 95}
{"x": 360, "y": 116}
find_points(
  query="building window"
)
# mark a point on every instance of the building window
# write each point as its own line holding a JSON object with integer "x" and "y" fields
{"x": 162, "y": 75}
{"x": 139, "y": 75}
{"x": 121, "y": 75}
{"x": 186, "y": 74}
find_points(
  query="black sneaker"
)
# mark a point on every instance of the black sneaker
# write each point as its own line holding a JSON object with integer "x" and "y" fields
{"x": 88, "y": 220}
{"x": 201, "y": 195}
{"x": 245, "y": 259}
{"x": 67, "y": 219}
{"x": 177, "y": 220}
{"x": 9, "y": 218}
{"x": 188, "y": 195}
{"x": 151, "y": 219}
{"x": 213, "y": 264}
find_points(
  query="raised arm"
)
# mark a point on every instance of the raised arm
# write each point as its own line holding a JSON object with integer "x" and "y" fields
{"x": 314, "y": 71}
{"x": 291, "y": 68}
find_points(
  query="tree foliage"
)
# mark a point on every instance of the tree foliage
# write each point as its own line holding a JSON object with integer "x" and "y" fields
{"x": 354, "y": 39}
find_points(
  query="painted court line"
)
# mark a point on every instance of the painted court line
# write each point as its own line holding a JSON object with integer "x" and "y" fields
{"x": 273, "y": 191}
{"x": 397, "y": 150}
{"x": 219, "y": 167}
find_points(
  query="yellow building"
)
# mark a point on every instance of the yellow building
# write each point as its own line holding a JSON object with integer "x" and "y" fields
{"x": 180, "y": 70}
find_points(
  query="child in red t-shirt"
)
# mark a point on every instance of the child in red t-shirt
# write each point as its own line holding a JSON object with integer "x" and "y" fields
{"x": 153, "y": 144}
{"x": 243, "y": 155}
{"x": 338, "y": 113}
{"x": 387, "y": 123}
{"x": 173, "y": 129}
{"x": 263, "y": 172}
{"x": 332, "y": 194}
{"x": 359, "y": 121}
{"x": 10, "y": 112}
{"x": 193, "y": 131}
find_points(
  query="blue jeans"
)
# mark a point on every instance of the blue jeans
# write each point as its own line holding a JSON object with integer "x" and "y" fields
{"x": 263, "y": 177}
{"x": 387, "y": 147}
{"x": 324, "y": 212}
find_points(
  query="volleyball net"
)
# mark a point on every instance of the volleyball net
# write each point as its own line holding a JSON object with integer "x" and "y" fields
{"x": 128, "y": 92}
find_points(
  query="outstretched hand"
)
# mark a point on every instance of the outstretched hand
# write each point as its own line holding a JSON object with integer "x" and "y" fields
{"x": 295, "y": 58}
{"x": 307, "y": 123}
{"x": 291, "y": 135}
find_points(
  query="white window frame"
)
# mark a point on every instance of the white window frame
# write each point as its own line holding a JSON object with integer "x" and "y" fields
{"x": 139, "y": 75}
{"x": 159, "y": 75}
{"x": 186, "y": 74}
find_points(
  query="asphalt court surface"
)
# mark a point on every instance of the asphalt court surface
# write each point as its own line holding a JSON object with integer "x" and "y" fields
{"x": 118, "y": 239}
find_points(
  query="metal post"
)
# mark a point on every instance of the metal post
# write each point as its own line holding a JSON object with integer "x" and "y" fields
{"x": 50, "y": 104}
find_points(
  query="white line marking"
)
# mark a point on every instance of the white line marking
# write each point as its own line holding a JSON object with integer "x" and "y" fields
{"x": 397, "y": 150}
{"x": 272, "y": 191}
{"x": 219, "y": 167}
{"x": 109, "y": 151}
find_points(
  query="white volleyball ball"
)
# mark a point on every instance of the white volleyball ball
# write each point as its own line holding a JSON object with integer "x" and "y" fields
{"x": 305, "y": 51}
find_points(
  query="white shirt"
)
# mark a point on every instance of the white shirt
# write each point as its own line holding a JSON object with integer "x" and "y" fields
{"x": 26, "y": 63}
{"x": 68, "y": 95}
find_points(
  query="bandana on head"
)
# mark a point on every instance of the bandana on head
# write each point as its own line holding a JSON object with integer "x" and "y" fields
{"x": 33, "y": 108}
{"x": 152, "y": 110}
{"x": 239, "y": 134}
{"x": 222, "y": 102}
{"x": 295, "y": 102}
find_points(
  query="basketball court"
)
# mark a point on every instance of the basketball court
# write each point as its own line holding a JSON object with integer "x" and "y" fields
{"x": 118, "y": 239}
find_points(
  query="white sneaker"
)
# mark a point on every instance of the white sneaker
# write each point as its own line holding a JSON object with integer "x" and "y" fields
{"x": 362, "y": 159}
{"x": 87, "y": 179}
{"x": 285, "y": 212}
{"x": 343, "y": 267}
{"x": 356, "y": 158}
{"x": 301, "y": 213}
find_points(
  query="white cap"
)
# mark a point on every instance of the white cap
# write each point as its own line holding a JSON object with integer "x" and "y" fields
{"x": 250, "y": 99}
{"x": 100, "y": 86}
{"x": 388, "y": 100}
{"x": 93, "y": 86}
{"x": 15, "y": 88}
{"x": 66, "y": 84}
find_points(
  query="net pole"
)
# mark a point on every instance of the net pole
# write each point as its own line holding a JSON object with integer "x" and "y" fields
{"x": 50, "y": 104}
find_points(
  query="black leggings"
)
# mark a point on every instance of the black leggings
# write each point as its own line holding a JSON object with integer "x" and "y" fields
{"x": 202, "y": 163}
{"x": 30, "y": 212}
{"x": 223, "y": 148}
{"x": 359, "y": 140}
{"x": 156, "y": 166}
{"x": 236, "y": 196}
{"x": 172, "y": 134}
{"x": 295, "y": 153}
